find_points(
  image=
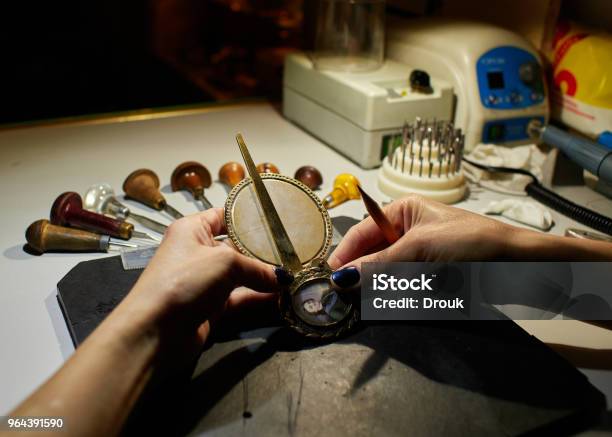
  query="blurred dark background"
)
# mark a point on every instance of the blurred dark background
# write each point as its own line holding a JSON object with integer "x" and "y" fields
{"x": 60, "y": 59}
{"x": 70, "y": 58}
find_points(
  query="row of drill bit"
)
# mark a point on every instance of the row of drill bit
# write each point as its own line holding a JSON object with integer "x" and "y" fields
{"x": 428, "y": 142}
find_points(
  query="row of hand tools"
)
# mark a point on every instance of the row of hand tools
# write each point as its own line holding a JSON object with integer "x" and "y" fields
{"x": 100, "y": 221}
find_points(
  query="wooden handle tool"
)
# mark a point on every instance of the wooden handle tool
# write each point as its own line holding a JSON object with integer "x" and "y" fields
{"x": 43, "y": 237}
{"x": 67, "y": 210}
{"x": 231, "y": 173}
{"x": 267, "y": 167}
{"x": 143, "y": 186}
{"x": 309, "y": 176}
{"x": 379, "y": 217}
{"x": 193, "y": 177}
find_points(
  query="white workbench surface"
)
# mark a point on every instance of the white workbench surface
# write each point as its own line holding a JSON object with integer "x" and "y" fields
{"x": 38, "y": 163}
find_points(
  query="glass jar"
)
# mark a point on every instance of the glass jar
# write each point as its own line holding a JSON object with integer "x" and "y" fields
{"x": 350, "y": 35}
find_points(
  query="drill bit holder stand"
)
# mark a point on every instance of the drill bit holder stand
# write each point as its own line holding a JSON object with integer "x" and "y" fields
{"x": 427, "y": 162}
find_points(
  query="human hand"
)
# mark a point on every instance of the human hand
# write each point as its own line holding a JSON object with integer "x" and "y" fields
{"x": 191, "y": 280}
{"x": 430, "y": 231}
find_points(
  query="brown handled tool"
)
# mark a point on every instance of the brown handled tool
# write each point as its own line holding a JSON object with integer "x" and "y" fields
{"x": 143, "y": 186}
{"x": 267, "y": 167}
{"x": 309, "y": 176}
{"x": 231, "y": 173}
{"x": 379, "y": 217}
{"x": 193, "y": 177}
{"x": 67, "y": 210}
{"x": 43, "y": 237}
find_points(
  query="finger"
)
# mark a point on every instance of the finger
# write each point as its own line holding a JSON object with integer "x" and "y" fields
{"x": 346, "y": 279}
{"x": 253, "y": 274}
{"x": 404, "y": 249}
{"x": 199, "y": 228}
{"x": 203, "y": 332}
{"x": 366, "y": 237}
{"x": 213, "y": 220}
{"x": 358, "y": 241}
{"x": 244, "y": 299}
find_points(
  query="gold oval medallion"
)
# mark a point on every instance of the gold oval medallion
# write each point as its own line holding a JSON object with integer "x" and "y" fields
{"x": 305, "y": 219}
{"x": 310, "y": 305}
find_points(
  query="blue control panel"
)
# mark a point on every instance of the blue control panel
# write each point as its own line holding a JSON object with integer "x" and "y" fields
{"x": 507, "y": 130}
{"x": 509, "y": 78}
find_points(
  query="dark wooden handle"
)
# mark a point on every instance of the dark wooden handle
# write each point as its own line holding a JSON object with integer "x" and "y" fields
{"x": 143, "y": 185}
{"x": 309, "y": 176}
{"x": 42, "y": 236}
{"x": 67, "y": 210}
{"x": 191, "y": 176}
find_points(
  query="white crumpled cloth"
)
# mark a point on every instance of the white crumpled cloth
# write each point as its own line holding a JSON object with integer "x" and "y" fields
{"x": 522, "y": 211}
{"x": 527, "y": 157}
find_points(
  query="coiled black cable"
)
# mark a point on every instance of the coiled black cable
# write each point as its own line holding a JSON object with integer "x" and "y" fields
{"x": 551, "y": 199}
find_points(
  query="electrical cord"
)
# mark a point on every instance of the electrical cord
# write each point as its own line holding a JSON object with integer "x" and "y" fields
{"x": 551, "y": 199}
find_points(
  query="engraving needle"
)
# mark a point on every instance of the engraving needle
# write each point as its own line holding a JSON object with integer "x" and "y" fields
{"x": 379, "y": 217}
{"x": 433, "y": 138}
{"x": 404, "y": 144}
{"x": 412, "y": 137}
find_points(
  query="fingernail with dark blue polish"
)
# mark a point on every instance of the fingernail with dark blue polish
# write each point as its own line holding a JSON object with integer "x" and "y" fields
{"x": 284, "y": 277}
{"x": 346, "y": 277}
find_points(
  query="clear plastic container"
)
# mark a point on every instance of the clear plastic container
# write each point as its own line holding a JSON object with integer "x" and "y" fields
{"x": 350, "y": 35}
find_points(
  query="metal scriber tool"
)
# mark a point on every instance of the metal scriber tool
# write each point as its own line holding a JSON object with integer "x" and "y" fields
{"x": 67, "y": 210}
{"x": 101, "y": 198}
{"x": 286, "y": 252}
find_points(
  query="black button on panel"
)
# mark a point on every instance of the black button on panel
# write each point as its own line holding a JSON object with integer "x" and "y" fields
{"x": 420, "y": 82}
{"x": 529, "y": 73}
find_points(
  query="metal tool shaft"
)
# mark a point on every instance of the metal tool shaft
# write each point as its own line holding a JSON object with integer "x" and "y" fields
{"x": 107, "y": 244}
{"x": 138, "y": 234}
{"x": 405, "y": 134}
{"x": 173, "y": 212}
{"x": 147, "y": 222}
{"x": 286, "y": 252}
{"x": 205, "y": 202}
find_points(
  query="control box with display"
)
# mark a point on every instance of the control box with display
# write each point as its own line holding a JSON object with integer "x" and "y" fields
{"x": 509, "y": 78}
{"x": 496, "y": 74}
{"x": 361, "y": 115}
